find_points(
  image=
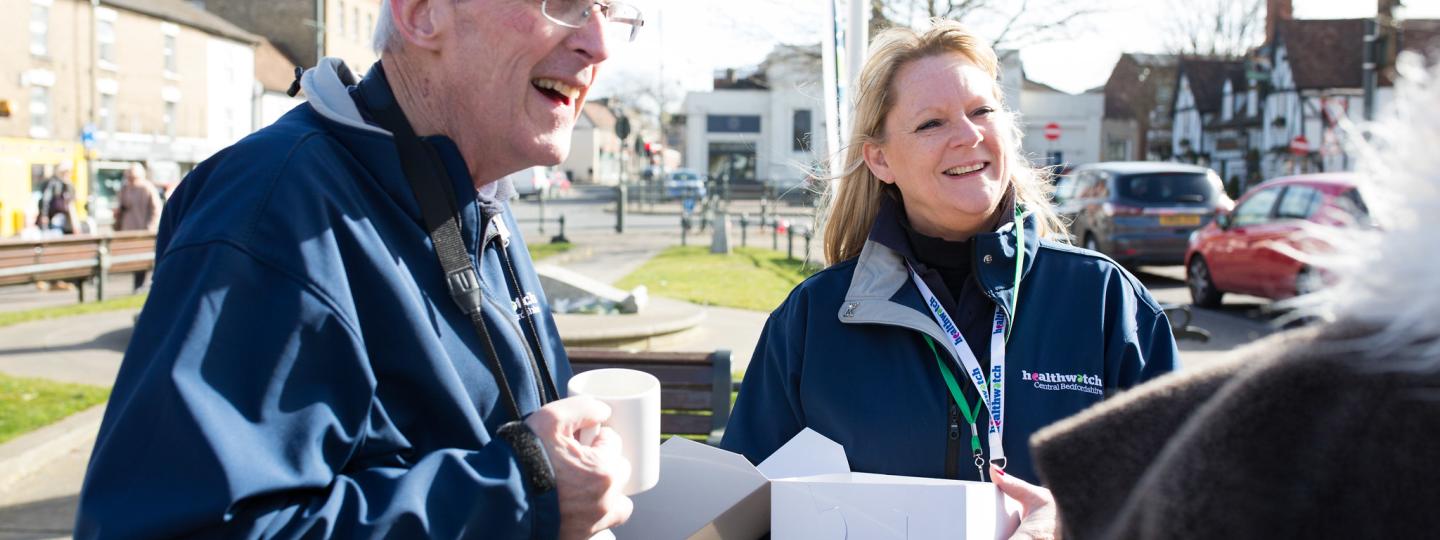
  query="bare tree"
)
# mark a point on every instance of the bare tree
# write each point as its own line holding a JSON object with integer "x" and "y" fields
{"x": 1215, "y": 28}
{"x": 1013, "y": 23}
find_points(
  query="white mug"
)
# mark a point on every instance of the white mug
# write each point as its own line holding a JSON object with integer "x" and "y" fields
{"x": 634, "y": 400}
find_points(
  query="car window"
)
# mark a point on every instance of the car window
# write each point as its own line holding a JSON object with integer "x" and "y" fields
{"x": 1091, "y": 185}
{"x": 1298, "y": 202}
{"x": 1064, "y": 188}
{"x": 1166, "y": 188}
{"x": 1256, "y": 209}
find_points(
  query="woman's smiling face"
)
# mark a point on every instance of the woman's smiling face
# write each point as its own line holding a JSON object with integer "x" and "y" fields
{"x": 943, "y": 147}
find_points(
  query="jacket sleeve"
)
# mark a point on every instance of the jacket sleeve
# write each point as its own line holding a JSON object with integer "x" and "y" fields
{"x": 1140, "y": 345}
{"x": 768, "y": 410}
{"x": 238, "y": 412}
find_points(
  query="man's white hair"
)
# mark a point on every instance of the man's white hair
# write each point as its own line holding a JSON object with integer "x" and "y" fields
{"x": 384, "y": 29}
{"x": 1390, "y": 278}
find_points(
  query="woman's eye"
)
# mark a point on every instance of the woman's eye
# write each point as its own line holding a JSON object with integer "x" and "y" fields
{"x": 928, "y": 124}
{"x": 983, "y": 111}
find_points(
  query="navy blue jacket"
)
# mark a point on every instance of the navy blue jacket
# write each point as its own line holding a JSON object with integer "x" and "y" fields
{"x": 299, "y": 369}
{"x": 845, "y": 354}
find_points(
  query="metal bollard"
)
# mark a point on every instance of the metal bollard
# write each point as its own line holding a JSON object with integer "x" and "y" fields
{"x": 542, "y": 211}
{"x": 807, "y": 244}
{"x": 744, "y": 227}
{"x": 560, "y": 238}
{"x": 620, "y": 208}
{"x": 774, "y": 233}
{"x": 684, "y": 229}
{"x": 789, "y": 243}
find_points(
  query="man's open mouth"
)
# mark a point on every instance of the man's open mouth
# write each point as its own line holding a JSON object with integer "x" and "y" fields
{"x": 556, "y": 90}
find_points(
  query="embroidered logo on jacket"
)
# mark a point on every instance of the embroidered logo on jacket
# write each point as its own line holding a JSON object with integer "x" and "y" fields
{"x": 527, "y": 306}
{"x": 1078, "y": 382}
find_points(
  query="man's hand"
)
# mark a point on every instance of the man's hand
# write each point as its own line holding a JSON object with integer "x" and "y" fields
{"x": 588, "y": 477}
{"x": 1038, "y": 517}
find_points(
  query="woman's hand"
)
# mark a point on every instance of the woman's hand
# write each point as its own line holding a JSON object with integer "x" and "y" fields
{"x": 1038, "y": 518}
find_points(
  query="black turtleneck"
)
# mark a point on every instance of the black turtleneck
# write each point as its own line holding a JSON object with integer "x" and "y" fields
{"x": 950, "y": 259}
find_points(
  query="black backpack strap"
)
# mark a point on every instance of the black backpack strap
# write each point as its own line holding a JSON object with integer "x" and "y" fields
{"x": 431, "y": 185}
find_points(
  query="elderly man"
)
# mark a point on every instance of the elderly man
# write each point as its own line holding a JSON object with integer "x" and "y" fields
{"x": 345, "y": 337}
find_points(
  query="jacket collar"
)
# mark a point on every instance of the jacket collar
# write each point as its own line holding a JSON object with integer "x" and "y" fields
{"x": 881, "y": 274}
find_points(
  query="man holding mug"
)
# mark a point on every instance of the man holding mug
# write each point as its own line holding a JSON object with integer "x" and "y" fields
{"x": 344, "y": 338}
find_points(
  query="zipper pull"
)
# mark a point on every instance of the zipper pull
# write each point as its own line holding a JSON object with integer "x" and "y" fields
{"x": 954, "y": 423}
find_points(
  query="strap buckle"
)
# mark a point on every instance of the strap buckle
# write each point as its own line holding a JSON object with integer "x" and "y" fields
{"x": 464, "y": 286}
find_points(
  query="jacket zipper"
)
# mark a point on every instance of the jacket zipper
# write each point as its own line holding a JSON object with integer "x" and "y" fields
{"x": 541, "y": 369}
{"x": 484, "y": 239}
{"x": 952, "y": 446}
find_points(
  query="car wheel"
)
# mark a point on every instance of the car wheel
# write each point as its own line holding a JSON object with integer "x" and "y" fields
{"x": 1307, "y": 281}
{"x": 1202, "y": 287}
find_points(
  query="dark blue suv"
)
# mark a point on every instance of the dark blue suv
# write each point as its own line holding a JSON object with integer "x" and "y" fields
{"x": 1139, "y": 212}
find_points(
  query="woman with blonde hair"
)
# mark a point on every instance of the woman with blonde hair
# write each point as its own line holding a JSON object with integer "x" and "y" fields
{"x": 949, "y": 324}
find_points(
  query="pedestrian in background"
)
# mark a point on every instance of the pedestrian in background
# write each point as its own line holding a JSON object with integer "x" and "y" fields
{"x": 138, "y": 208}
{"x": 949, "y": 326}
{"x": 1329, "y": 431}
{"x": 57, "y": 201}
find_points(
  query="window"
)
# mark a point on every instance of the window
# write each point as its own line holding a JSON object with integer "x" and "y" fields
{"x": 107, "y": 113}
{"x": 170, "y": 119}
{"x": 40, "y": 112}
{"x": 1167, "y": 188}
{"x": 1298, "y": 202}
{"x": 369, "y": 27}
{"x": 341, "y": 21}
{"x": 40, "y": 27}
{"x": 355, "y": 22}
{"x": 1256, "y": 209}
{"x": 105, "y": 37}
{"x": 720, "y": 123}
{"x": 800, "y": 133}
{"x": 171, "y": 66}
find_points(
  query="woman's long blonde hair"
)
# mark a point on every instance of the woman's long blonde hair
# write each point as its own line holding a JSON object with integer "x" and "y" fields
{"x": 853, "y": 197}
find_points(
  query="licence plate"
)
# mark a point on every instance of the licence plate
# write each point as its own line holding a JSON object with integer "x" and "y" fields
{"x": 1180, "y": 221}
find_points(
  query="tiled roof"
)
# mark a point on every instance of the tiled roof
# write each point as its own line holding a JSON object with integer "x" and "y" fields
{"x": 1325, "y": 53}
{"x": 183, "y": 13}
{"x": 1207, "y": 80}
{"x": 273, "y": 68}
{"x": 1422, "y": 36}
{"x": 600, "y": 115}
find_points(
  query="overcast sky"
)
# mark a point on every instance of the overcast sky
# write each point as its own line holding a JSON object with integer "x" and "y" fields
{"x": 692, "y": 38}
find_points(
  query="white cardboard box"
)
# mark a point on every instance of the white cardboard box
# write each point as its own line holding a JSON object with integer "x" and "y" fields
{"x": 806, "y": 490}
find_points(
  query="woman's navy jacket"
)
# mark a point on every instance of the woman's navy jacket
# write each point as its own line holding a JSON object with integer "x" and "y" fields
{"x": 845, "y": 354}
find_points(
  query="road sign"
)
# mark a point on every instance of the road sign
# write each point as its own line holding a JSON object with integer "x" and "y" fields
{"x": 1052, "y": 131}
{"x": 622, "y": 128}
{"x": 1299, "y": 146}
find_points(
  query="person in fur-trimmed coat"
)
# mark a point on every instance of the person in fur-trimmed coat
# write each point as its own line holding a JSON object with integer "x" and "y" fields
{"x": 1331, "y": 431}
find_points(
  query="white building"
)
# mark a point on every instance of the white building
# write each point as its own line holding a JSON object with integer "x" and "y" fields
{"x": 1078, "y": 117}
{"x": 763, "y": 127}
{"x": 594, "y": 149}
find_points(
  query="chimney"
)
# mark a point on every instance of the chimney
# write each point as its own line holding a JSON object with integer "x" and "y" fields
{"x": 1276, "y": 11}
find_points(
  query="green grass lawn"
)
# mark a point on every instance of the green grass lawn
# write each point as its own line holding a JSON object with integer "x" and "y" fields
{"x": 749, "y": 278}
{"x": 17, "y": 317}
{"x": 546, "y": 250}
{"x": 28, "y": 404}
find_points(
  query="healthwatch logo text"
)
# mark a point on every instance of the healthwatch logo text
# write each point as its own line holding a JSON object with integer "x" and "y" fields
{"x": 1078, "y": 382}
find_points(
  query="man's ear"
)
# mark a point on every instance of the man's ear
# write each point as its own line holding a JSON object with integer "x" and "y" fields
{"x": 875, "y": 159}
{"x": 420, "y": 21}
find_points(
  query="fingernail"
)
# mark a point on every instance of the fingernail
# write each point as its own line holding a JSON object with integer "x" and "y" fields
{"x": 998, "y": 470}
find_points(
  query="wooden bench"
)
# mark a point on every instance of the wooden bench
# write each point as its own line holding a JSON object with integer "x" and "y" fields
{"x": 694, "y": 386}
{"x": 76, "y": 258}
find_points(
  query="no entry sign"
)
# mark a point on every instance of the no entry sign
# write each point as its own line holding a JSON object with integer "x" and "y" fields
{"x": 1052, "y": 131}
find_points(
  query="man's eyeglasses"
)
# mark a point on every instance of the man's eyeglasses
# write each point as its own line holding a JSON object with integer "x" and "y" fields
{"x": 576, "y": 13}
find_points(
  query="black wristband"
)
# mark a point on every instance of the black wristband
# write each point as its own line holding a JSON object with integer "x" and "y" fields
{"x": 539, "y": 474}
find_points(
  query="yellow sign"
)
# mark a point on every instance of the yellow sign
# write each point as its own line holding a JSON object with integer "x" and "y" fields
{"x": 25, "y": 162}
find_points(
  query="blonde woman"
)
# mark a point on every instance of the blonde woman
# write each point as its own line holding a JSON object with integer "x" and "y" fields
{"x": 949, "y": 326}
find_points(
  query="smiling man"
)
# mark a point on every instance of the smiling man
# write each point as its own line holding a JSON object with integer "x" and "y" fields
{"x": 331, "y": 347}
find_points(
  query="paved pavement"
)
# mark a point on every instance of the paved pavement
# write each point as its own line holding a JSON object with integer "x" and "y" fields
{"x": 88, "y": 348}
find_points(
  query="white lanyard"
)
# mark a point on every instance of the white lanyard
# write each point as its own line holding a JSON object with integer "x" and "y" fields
{"x": 992, "y": 391}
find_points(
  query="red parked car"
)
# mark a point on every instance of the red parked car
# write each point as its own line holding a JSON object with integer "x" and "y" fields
{"x": 1237, "y": 252}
